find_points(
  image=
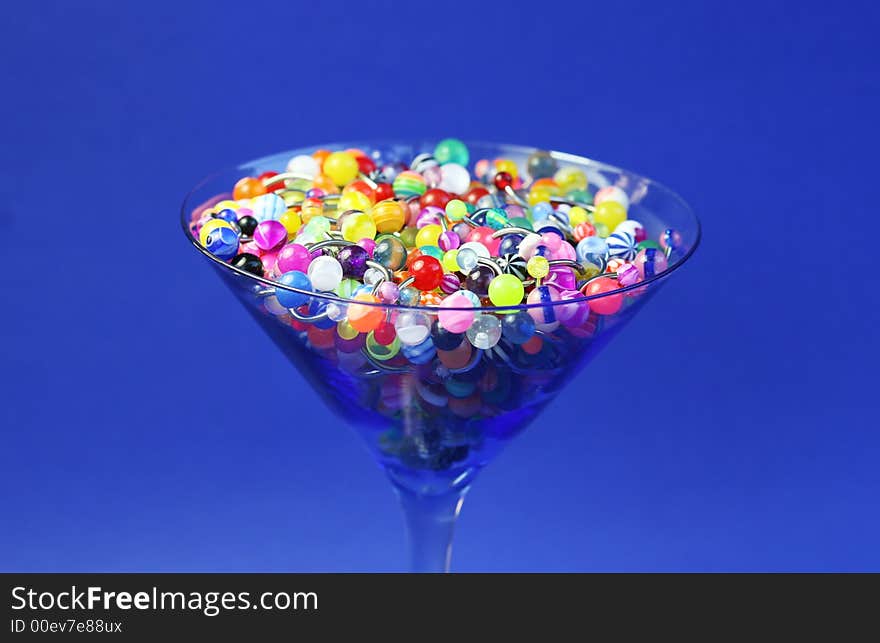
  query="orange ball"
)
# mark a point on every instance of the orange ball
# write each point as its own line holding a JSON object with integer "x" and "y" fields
{"x": 320, "y": 155}
{"x": 248, "y": 188}
{"x": 365, "y": 318}
{"x": 324, "y": 182}
{"x": 360, "y": 186}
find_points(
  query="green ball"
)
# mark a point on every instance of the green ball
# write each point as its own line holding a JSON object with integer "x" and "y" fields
{"x": 379, "y": 351}
{"x": 408, "y": 236}
{"x": 521, "y": 222}
{"x": 451, "y": 150}
{"x": 648, "y": 243}
{"x": 506, "y": 290}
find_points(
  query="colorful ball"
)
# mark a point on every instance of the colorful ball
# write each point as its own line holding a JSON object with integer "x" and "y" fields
{"x": 357, "y": 226}
{"x": 612, "y": 193}
{"x": 650, "y": 262}
{"x": 609, "y": 214}
{"x": 485, "y": 332}
{"x": 222, "y": 242}
{"x": 304, "y": 164}
{"x": 622, "y": 245}
{"x": 210, "y": 226}
{"x": 389, "y": 216}
{"x": 353, "y": 260}
{"x": 293, "y": 256}
{"x": 518, "y": 327}
{"x": 545, "y": 314}
{"x": 427, "y": 273}
{"x": 412, "y": 327}
{"x": 408, "y": 183}
{"x": 570, "y": 179}
{"x": 541, "y": 165}
{"x": 364, "y": 317}
{"x": 267, "y": 207}
{"x": 428, "y": 235}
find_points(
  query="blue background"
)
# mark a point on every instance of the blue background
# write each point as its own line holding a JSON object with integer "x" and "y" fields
{"x": 147, "y": 424}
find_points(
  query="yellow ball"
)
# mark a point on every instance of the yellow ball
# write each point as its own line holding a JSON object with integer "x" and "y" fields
{"x": 610, "y": 214}
{"x": 357, "y": 226}
{"x": 291, "y": 220}
{"x": 428, "y": 235}
{"x": 226, "y": 204}
{"x": 449, "y": 261}
{"x": 570, "y": 179}
{"x": 538, "y": 195}
{"x": 577, "y": 215}
{"x": 345, "y": 331}
{"x": 506, "y": 165}
{"x": 538, "y": 267}
{"x": 341, "y": 167}
{"x": 354, "y": 201}
{"x": 388, "y": 216}
{"x": 210, "y": 226}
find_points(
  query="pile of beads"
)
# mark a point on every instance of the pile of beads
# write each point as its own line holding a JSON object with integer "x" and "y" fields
{"x": 457, "y": 242}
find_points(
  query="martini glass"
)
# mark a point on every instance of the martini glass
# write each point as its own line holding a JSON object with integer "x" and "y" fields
{"x": 433, "y": 420}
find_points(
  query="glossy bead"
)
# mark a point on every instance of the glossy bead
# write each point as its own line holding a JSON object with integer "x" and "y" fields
{"x": 364, "y": 317}
{"x": 408, "y": 237}
{"x": 541, "y": 165}
{"x": 426, "y": 272}
{"x": 380, "y": 350}
{"x": 485, "y": 332}
{"x": 385, "y": 333}
{"x": 496, "y": 218}
{"x": 503, "y": 180}
{"x": 270, "y": 235}
{"x": 483, "y": 235}
{"x": 512, "y": 264}
{"x": 409, "y": 183}
{"x": 612, "y": 193}
{"x": 390, "y": 252}
{"x": 294, "y": 279}
{"x": 466, "y": 258}
{"x": 412, "y": 327}
{"x": 610, "y": 214}
{"x": 388, "y": 292}
{"x": 222, "y": 242}
{"x": 450, "y": 261}
{"x": 455, "y": 178}
{"x": 325, "y": 273}
{"x": 458, "y": 356}
{"x": 249, "y": 263}
{"x": 627, "y": 275}
{"x": 671, "y": 239}
{"x": 570, "y": 179}
{"x": 577, "y": 215}
{"x": 475, "y": 194}
{"x": 436, "y": 198}
{"x": 621, "y": 245}
{"x": 428, "y": 236}
{"x": 609, "y": 304}
{"x": 291, "y": 221}
{"x": 590, "y": 248}
{"x": 429, "y": 216}
{"x": 478, "y": 280}
{"x": 650, "y": 262}
{"x": 341, "y": 167}
{"x": 268, "y": 207}
{"x": 305, "y": 165}
{"x": 248, "y": 188}
{"x": 506, "y": 290}
{"x": 517, "y": 327}
{"x": 451, "y": 150}
{"x": 450, "y": 283}
{"x": 633, "y": 227}
{"x": 293, "y": 256}
{"x": 389, "y": 216}
{"x": 538, "y": 267}
{"x": 210, "y": 226}
{"x": 420, "y": 353}
{"x": 444, "y": 339}
{"x": 448, "y": 240}
{"x": 456, "y": 321}
{"x": 357, "y": 226}
{"x": 354, "y": 201}
{"x": 353, "y": 260}
{"x": 247, "y": 224}
{"x": 383, "y": 191}
{"x": 583, "y": 230}
{"x": 348, "y": 287}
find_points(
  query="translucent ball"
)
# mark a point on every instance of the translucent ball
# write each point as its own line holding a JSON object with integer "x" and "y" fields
{"x": 592, "y": 250}
{"x": 466, "y": 258}
{"x": 337, "y": 311}
{"x": 518, "y": 328}
{"x": 484, "y": 332}
{"x": 390, "y": 252}
{"x": 410, "y": 296}
{"x": 480, "y": 249}
{"x": 570, "y": 179}
{"x": 612, "y": 193}
{"x": 305, "y": 165}
{"x": 540, "y": 165}
{"x": 372, "y": 276}
{"x": 379, "y": 351}
{"x": 357, "y": 226}
{"x": 541, "y": 211}
{"x": 538, "y": 267}
{"x": 478, "y": 280}
{"x": 506, "y": 290}
{"x": 412, "y": 327}
{"x": 451, "y": 150}
{"x": 456, "y": 178}
{"x": 325, "y": 273}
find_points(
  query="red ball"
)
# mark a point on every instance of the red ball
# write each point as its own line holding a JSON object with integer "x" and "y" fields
{"x": 475, "y": 195}
{"x": 437, "y": 198}
{"x": 271, "y": 186}
{"x": 609, "y": 304}
{"x": 385, "y": 334}
{"x": 366, "y": 165}
{"x": 383, "y": 191}
{"x": 502, "y": 180}
{"x": 427, "y": 273}
{"x": 363, "y": 187}
{"x": 484, "y": 235}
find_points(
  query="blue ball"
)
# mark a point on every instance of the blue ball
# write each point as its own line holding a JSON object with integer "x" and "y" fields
{"x": 420, "y": 353}
{"x": 541, "y": 211}
{"x": 318, "y": 306}
{"x": 509, "y": 244}
{"x": 222, "y": 242}
{"x": 593, "y": 250}
{"x": 517, "y": 328}
{"x": 228, "y": 215}
{"x": 294, "y": 279}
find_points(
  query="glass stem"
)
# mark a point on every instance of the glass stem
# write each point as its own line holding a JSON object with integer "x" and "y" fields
{"x": 430, "y": 524}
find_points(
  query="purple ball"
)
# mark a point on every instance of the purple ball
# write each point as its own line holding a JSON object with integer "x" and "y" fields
{"x": 354, "y": 261}
{"x": 388, "y": 292}
{"x": 449, "y": 240}
{"x": 562, "y": 277}
{"x": 430, "y": 215}
{"x": 270, "y": 235}
{"x": 450, "y": 283}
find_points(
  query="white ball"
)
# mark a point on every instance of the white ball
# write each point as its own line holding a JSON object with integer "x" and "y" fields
{"x": 630, "y": 226}
{"x": 612, "y": 193}
{"x": 476, "y": 246}
{"x": 455, "y": 178}
{"x": 304, "y": 164}
{"x": 325, "y": 273}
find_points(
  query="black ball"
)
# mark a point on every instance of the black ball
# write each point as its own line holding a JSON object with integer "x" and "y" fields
{"x": 443, "y": 339}
{"x": 247, "y": 224}
{"x": 249, "y": 263}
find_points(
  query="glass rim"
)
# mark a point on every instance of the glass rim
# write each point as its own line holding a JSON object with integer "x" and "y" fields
{"x": 522, "y": 149}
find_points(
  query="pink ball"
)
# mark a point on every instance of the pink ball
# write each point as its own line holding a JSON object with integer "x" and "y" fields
{"x": 270, "y": 263}
{"x": 544, "y": 316}
{"x": 551, "y": 240}
{"x": 294, "y": 256}
{"x": 627, "y": 275}
{"x": 270, "y": 235}
{"x": 456, "y": 321}
{"x": 565, "y": 251}
{"x": 430, "y": 215}
{"x": 367, "y": 244}
{"x": 484, "y": 235}
{"x": 650, "y": 262}
{"x": 609, "y": 304}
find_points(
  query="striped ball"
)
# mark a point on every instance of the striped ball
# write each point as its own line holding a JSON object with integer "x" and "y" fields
{"x": 389, "y": 216}
{"x": 512, "y": 264}
{"x": 622, "y": 245}
{"x": 268, "y": 207}
{"x": 422, "y": 162}
{"x": 409, "y": 183}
